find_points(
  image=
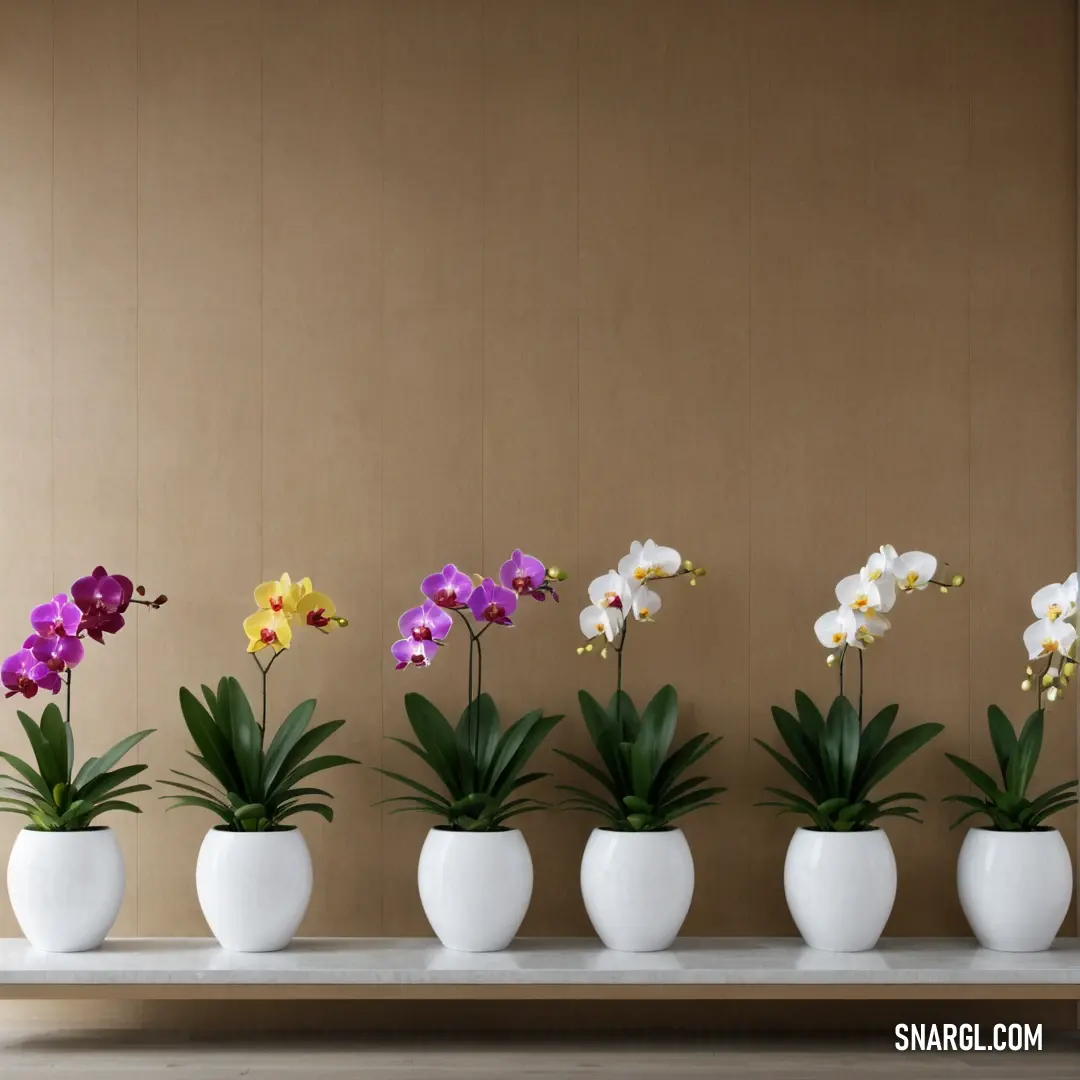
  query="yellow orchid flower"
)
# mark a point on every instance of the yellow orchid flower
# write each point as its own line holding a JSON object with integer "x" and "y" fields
{"x": 282, "y": 595}
{"x": 268, "y": 627}
{"x": 318, "y": 610}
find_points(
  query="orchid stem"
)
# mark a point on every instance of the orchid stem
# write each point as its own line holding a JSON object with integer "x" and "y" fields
{"x": 67, "y": 705}
{"x": 1049, "y": 661}
{"x": 618, "y": 678}
{"x": 860, "y": 688}
{"x": 265, "y": 670}
{"x": 843, "y": 656}
{"x": 474, "y": 717}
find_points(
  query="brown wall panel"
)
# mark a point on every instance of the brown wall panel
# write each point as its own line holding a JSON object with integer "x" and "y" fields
{"x": 322, "y": 399}
{"x": 26, "y": 331}
{"x": 94, "y": 356}
{"x": 201, "y": 391}
{"x": 356, "y": 287}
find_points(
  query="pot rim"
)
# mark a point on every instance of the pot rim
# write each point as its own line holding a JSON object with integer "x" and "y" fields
{"x": 451, "y": 831}
{"x": 668, "y": 831}
{"x": 1039, "y": 829}
{"x": 225, "y": 830}
{"x": 836, "y": 832}
{"x": 64, "y": 832}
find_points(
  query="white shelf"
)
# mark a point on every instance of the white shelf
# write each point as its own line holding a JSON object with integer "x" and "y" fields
{"x": 540, "y": 967}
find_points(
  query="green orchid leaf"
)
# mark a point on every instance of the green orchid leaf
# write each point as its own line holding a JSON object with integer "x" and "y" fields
{"x": 285, "y": 739}
{"x": 1023, "y": 761}
{"x": 438, "y": 739}
{"x": 478, "y": 734}
{"x": 812, "y": 789}
{"x": 1003, "y": 737}
{"x": 49, "y": 770}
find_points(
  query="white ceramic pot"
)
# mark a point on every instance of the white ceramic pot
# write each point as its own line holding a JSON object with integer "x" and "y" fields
{"x": 253, "y": 887}
{"x": 840, "y": 887}
{"x": 1015, "y": 887}
{"x": 475, "y": 887}
{"x": 66, "y": 888}
{"x": 637, "y": 887}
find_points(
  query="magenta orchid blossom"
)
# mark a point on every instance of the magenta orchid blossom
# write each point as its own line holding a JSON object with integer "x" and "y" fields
{"x": 450, "y": 591}
{"x": 526, "y": 576}
{"x": 449, "y": 588}
{"x": 480, "y": 606}
{"x": 425, "y": 623}
{"x": 55, "y": 648}
{"x": 491, "y": 603}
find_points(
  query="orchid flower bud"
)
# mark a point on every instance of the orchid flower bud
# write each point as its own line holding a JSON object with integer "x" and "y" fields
{"x": 957, "y": 580}
{"x": 581, "y": 650}
{"x": 1025, "y": 685}
{"x": 1052, "y": 694}
{"x": 688, "y": 564}
{"x": 944, "y": 588}
{"x": 1069, "y": 670}
{"x": 830, "y": 659}
{"x": 1047, "y": 680}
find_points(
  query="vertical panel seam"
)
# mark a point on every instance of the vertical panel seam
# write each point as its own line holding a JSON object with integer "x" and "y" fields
{"x": 968, "y": 78}
{"x": 577, "y": 249}
{"x": 749, "y": 388}
{"x": 483, "y": 275}
{"x": 52, "y": 301}
{"x": 382, "y": 449}
{"x": 138, "y": 369}
{"x": 262, "y": 289}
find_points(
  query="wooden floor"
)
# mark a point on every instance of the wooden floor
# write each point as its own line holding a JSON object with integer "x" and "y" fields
{"x": 88, "y": 1057}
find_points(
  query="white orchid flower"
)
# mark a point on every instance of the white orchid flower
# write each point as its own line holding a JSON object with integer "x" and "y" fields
{"x": 596, "y": 620}
{"x": 1056, "y": 601}
{"x": 869, "y": 628}
{"x": 859, "y": 593}
{"x": 647, "y": 561}
{"x": 1049, "y": 636}
{"x": 913, "y": 570}
{"x": 1072, "y": 590}
{"x": 611, "y": 590}
{"x": 836, "y": 628}
{"x": 879, "y": 569}
{"x": 646, "y": 604}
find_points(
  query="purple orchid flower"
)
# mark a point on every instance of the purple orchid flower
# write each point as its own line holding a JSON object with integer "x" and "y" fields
{"x": 493, "y": 603}
{"x": 412, "y": 652}
{"x": 58, "y": 618}
{"x": 16, "y": 674}
{"x": 102, "y": 598}
{"x": 46, "y": 678}
{"x": 428, "y": 622}
{"x": 57, "y": 652}
{"x": 450, "y": 588}
{"x": 525, "y": 574}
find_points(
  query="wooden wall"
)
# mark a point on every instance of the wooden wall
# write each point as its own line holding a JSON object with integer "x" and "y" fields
{"x": 355, "y": 288}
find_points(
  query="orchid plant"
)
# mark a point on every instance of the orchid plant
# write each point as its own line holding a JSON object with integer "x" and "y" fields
{"x": 642, "y": 790}
{"x": 1051, "y": 638}
{"x": 255, "y": 787}
{"x": 54, "y": 797}
{"x": 478, "y": 765}
{"x": 836, "y": 759}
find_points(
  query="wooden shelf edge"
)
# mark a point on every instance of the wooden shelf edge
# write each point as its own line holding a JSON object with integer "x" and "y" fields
{"x": 558, "y": 992}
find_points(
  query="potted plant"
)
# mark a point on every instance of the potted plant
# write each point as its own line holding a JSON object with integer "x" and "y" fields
{"x": 254, "y": 873}
{"x": 1014, "y": 875}
{"x": 840, "y": 873}
{"x": 475, "y": 872}
{"x": 637, "y": 872}
{"x": 66, "y": 872}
